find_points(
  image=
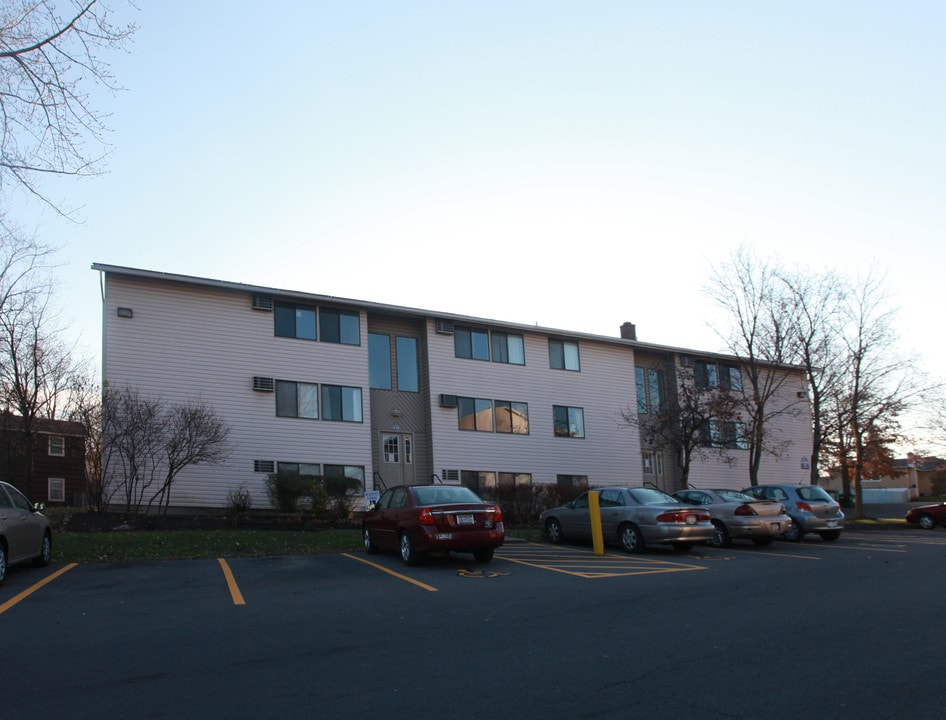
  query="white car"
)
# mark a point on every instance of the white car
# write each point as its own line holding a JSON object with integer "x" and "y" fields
{"x": 24, "y": 531}
{"x": 737, "y": 515}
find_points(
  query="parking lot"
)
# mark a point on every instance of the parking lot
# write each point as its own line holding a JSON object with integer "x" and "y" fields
{"x": 542, "y": 631}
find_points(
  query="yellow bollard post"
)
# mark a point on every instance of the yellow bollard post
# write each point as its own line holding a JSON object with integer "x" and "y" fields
{"x": 597, "y": 536}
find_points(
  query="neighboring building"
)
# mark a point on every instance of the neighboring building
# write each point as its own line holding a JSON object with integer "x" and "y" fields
{"x": 913, "y": 474}
{"x": 390, "y": 394}
{"x": 53, "y": 470}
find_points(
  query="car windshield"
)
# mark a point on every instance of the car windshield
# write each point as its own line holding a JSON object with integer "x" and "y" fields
{"x": 814, "y": 493}
{"x": 652, "y": 496}
{"x": 734, "y": 496}
{"x": 444, "y": 495}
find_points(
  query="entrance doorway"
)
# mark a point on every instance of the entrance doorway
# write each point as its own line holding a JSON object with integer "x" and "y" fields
{"x": 397, "y": 458}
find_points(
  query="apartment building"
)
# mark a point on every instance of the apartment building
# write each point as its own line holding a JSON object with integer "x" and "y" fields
{"x": 389, "y": 394}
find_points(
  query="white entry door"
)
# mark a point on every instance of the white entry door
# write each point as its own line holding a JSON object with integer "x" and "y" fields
{"x": 397, "y": 458}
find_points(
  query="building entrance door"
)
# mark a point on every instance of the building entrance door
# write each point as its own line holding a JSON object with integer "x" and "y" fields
{"x": 397, "y": 458}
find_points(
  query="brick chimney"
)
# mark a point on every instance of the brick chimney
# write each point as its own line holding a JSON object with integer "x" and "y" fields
{"x": 629, "y": 331}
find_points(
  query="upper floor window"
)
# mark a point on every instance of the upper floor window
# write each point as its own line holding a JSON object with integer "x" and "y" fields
{"x": 512, "y": 417}
{"x": 569, "y": 421}
{"x": 379, "y": 361}
{"x": 296, "y": 321}
{"x": 500, "y": 347}
{"x": 475, "y": 414}
{"x": 339, "y": 326}
{"x": 341, "y": 403}
{"x": 295, "y": 399}
{"x": 710, "y": 374}
{"x": 725, "y": 434}
{"x": 563, "y": 355}
{"x": 650, "y": 390}
{"x": 57, "y": 445}
{"x": 508, "y": 348}
{"x": 408, "y": 376}
{"x": 470, "y": 343}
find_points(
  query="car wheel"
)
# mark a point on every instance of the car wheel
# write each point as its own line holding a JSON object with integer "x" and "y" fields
{"x": 45, "y": 553}
{"x": 408, "y": 553}
{"x": 483, "y": 554}
{"x": 3, "y": 563}
{"x": 794, "y": 533}
{"x": 830, "y": 535}
{"x": 763, "y": 541}
{"x": 553, "y": 531}
{"x": 631, "y": 539}
{"x": 720, "y": 535}
{"x": 926, "y": 521}
{"x": 370, "y": 547}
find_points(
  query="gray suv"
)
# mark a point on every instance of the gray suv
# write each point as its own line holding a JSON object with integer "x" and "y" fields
{"x": 811, "y": 509}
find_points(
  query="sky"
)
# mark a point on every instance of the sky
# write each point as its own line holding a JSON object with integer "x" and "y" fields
{"x": 573, "y": 165}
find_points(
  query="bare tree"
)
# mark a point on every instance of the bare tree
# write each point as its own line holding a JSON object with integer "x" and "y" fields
{"x": 84, "y": 406}
{"x": 146, "y": 444}
{"x": 761, "y": 336}
{"x": 50, "y": 52}
{"x": 690, "y": 424}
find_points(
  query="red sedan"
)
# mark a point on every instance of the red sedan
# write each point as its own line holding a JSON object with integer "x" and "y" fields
{"x": 927, "y": 516}
{"x": 421, "y": 519}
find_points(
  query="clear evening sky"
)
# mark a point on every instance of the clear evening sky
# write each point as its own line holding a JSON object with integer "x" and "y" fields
{"x": 568, "y": 164}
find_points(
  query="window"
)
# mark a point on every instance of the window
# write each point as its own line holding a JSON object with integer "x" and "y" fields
{"x": 563, "y": 355}
{"x": 56, "y": 491}
{"x": 296, "y": 321}
{"x": 408, "y": 377}
{"x": 57, "y": 445}
{"x": 379, "y": 361}
{"x": 569, "y": 421}
{"x": 572, "y": 482}
{"x": 295, "y": 468}
{"x": 352, "y": 472}
{"x": 341, "y": 403}
{"x": 725, "y": 434}
{"x": 512, "y": 417}
{"x": 475, "y": 414}
{"x": 470, "y": 343}
{"x": 339, "y": 326}
{"x": 482, "y": 483}
{"x": 508, "y": 348}
{"x": 510, "y": 481}
{"x": 709, "y": 374}
{"x": 653, "y": 463}
{"x": 295, "y": 399}
{"x": 650, "y": 390}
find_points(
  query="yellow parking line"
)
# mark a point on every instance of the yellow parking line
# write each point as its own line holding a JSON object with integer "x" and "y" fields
{"x": 591, "y": 567}
{"x": 412, "y": 581}
{"x": 231, "y": 583}
{"x": 30, "y": 590}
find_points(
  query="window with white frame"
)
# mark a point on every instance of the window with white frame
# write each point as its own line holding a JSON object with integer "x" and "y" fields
{"x": 56, "y": 490}
{"x": 563, "y": 355}
{"x": 653, "y": 463}
{"x": 57, "y": 445}
{"x": 650, "y": 390}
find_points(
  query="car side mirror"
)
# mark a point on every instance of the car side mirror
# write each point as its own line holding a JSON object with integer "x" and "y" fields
{"x": 570, "y": 504}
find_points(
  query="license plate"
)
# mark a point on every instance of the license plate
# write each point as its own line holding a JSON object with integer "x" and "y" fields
{"x": 443, "y": 536}
{"x": 775, "y": 527}
{"x": 832, "y": 523}
{"x": 464, "y": 519}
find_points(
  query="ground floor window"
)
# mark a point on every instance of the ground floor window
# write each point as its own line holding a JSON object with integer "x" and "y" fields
{"x": 572, "y": 482}
{"x": 56, "y": 490}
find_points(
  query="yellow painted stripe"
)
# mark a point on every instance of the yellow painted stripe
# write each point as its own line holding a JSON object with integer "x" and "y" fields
{"x": 30, "y": 590}
{"x": 231, "y": 583}
{"x": 412, "y": 581}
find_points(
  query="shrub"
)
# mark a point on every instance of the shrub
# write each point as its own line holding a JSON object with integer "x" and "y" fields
{"x": 238, "y": 500}
{"x": 325, "y": 498}
{"x": 523, "y": 504}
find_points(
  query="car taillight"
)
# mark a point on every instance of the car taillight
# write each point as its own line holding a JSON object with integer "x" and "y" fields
{"x": 745, "y": 510}
{"x": 497, "y": 513}
{"x": 803, "y": 506}
{"x": 426, "y": 517}
{"x": 682, "y": 516}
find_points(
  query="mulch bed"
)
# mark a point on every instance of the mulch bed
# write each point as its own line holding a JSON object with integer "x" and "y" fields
{"x": 83, "y": 522}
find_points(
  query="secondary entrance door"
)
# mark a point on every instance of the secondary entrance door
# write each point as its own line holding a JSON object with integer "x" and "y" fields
{"x": 397, "y": 458}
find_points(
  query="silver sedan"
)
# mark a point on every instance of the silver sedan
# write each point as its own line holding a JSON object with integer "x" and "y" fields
{"x": 737, "y": 515}
{"x": 632, "y": 518}
{"x": 24, "y": 531}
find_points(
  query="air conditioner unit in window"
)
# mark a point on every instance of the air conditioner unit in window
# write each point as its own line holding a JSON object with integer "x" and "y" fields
{"x": 263, "y": 384}
{"x": 448, "y": 401}
{"x": 444, "y": 327}
{"x": 262, "y": 302}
